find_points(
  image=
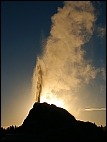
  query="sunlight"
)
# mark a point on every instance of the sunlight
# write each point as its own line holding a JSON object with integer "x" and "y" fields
{"x": 51, "y": 99}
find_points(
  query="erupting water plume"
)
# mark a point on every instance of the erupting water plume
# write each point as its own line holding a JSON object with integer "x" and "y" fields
{"x": 62, "y": 68}
{"x": 38, "y": 82}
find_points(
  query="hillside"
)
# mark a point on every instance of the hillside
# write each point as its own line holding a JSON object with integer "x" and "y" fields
{"x": 50, "y": 123}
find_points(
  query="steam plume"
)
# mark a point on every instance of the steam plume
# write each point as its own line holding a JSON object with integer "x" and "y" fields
{"x": 62, "y": 62}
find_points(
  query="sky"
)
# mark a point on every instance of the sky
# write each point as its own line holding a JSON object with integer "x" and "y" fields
{"x": 74, "y": 75}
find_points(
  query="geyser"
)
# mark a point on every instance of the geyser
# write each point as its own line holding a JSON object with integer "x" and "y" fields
{"x": 38, "y": 82}
{"x": 62, "y": 68}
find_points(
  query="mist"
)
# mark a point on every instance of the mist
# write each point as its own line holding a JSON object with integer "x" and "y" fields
{"x": 64, "y": 68}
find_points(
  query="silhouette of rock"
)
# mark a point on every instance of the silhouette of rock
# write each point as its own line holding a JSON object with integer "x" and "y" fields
{"x": 47, "y": 117}
{"x": 50, "y": 123}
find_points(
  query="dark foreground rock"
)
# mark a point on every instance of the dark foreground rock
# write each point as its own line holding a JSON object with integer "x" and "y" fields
{"x": 48, "y": 123}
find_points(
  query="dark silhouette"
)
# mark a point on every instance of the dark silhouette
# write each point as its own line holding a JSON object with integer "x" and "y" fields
{"x": 48, "y": 123}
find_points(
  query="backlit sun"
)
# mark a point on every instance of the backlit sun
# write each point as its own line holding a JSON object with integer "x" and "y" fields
{"x": 51, "y": 99}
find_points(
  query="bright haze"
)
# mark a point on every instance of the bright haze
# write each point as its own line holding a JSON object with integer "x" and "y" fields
{"x": 67, "y": 41}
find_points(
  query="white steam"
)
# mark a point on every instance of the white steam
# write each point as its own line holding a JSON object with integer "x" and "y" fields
{"x": 62, "y": 62}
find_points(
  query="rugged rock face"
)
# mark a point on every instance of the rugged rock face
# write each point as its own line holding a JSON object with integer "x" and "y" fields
{"x": 48, "y": 117}
{"x": 50, "y": 123}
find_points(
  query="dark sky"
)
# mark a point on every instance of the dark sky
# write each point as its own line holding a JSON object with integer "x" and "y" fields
{"x": 24, "y": 26}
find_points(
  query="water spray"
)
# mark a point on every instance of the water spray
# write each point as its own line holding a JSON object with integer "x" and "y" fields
{"x": 38, "y": 82}
{"x": 62, "y": 67}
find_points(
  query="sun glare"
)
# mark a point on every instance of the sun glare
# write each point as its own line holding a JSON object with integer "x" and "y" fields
{"x": 51, "y": 99}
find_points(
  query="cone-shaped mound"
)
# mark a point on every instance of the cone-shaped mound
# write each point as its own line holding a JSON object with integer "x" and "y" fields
{"x": 49, "y": 123}
{"x": 46, "y": 116}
